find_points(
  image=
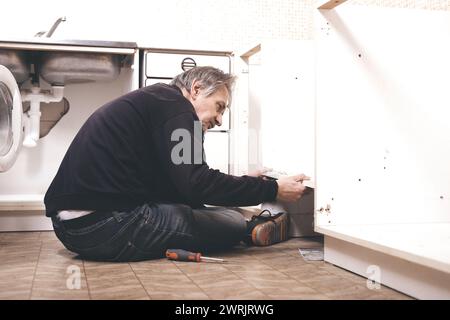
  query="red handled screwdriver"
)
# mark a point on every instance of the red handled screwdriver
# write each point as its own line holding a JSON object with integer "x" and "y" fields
{"x": 183, "y": 255}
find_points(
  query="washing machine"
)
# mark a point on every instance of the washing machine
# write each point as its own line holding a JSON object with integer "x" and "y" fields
{"x": 11, "y": 122}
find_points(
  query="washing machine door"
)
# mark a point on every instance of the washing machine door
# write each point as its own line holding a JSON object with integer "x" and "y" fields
{"x": 11, "y": 111}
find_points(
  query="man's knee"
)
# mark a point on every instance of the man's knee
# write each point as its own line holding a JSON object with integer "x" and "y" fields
{"x": 219, "y": 220}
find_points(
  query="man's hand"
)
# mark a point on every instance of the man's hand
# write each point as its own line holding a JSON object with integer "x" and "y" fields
{"x": 291, "y": 188}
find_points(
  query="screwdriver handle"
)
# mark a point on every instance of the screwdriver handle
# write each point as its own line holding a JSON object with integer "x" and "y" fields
{"x": 183, "y": 255}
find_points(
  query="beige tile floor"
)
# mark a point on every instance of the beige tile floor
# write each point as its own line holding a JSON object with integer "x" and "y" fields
{"x": 35, "y": 265}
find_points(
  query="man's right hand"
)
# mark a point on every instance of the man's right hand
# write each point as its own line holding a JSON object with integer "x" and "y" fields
{"x": 291, "y": 188}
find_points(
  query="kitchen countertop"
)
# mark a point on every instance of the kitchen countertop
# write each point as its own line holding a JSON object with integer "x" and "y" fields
{"x": 184, "y": 47}
{"x": 66, "y": 42}
{"x": 49, "y": 44}
{"x": 63, "y": 44}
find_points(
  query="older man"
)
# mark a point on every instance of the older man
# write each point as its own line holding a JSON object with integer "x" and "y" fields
{"x": 134, "y": 182}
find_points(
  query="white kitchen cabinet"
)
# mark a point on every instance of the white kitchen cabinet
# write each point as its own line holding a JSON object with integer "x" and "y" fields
{"x": 169, "y": 64}
{"x": 150, "y": 81}
{"x": 383, "y": 145}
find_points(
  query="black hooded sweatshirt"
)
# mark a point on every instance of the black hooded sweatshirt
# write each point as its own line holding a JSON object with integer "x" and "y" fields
{"x": 122, "y": 158}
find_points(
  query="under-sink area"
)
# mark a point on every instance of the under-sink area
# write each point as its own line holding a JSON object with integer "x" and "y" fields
{"x": 35, "y": 75}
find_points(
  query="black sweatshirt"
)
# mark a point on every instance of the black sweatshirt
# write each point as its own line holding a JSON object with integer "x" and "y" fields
{"x": 121, "y": 158}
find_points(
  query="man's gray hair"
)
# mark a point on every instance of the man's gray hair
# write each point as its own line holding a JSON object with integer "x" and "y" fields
{"x": 210, "y": 80}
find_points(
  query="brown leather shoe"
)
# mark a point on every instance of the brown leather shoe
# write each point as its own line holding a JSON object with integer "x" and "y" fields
{"x": 269, "y": 229}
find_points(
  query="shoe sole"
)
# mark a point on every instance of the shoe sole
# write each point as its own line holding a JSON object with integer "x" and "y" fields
{"x": 271, "y": 232}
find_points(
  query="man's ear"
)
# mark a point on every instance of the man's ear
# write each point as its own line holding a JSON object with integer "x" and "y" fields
{"x": 195, "y": 89}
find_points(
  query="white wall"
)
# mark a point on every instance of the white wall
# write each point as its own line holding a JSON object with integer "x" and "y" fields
{"x": 408, "y": 4}
{"x": 196, "y": 24}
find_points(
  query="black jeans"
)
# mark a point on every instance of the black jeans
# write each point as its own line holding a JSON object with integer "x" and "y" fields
{"x": 149, "y": 230}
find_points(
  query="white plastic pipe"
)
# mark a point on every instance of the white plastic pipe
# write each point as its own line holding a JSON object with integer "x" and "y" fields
{"x": 32, "y": 121}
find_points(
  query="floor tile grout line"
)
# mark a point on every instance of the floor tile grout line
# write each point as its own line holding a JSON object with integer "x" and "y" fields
{"x": 296, "y": 280}
{"x": 193, "y": 281}
{"x": 291, "y": 278}
{"x": 87, "y": 282}
{"x": 139, "y": 279}
{"x": 35, "y": 271}
{"x": 265, "y": 295}
{"x": 306, "y": 284}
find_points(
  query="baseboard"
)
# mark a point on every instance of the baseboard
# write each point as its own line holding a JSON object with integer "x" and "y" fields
{"x": 24, "y": 221}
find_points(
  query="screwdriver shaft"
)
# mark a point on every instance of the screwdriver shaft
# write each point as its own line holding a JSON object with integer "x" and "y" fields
{"x": 211, "y": 259}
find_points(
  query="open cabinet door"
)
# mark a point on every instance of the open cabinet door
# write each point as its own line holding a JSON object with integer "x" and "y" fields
{"x": 10, "y": 119}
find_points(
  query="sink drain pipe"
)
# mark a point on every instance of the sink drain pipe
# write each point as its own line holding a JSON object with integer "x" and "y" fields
{"x": 33, "y": 118}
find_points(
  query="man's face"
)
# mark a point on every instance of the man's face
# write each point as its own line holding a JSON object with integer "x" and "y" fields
{"x": 209, "y": 109}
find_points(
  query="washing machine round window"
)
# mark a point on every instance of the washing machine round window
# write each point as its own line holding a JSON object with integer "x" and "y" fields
{"x": 10, "y": 119}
